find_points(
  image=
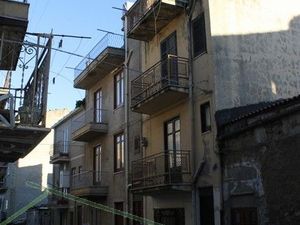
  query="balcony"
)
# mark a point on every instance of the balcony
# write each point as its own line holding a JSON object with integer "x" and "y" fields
{"x": 106, "y": 56}
{"x": 61, "y": 149}
{"x": 147, "y": 17}
{"x": 58, "y": 202}
{"x": 163, "y": 85}
{"x": 13, "y": 25}
{"x": 163, "y": 171}
{"x": 90, "y": 184}
{"x": 60, "y": 152}
{"x": 92, "y": 123}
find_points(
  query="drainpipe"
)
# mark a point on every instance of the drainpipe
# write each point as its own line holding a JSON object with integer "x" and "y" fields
{"x": 126, "y": 77}
{"x": 191, "y": 109}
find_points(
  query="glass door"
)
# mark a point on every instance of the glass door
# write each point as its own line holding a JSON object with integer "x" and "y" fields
{"x": 97, "y": 164}
{"x": 98, "y": 107}
{"x": 173, "y": 152}
{"x": 169, "y": 74}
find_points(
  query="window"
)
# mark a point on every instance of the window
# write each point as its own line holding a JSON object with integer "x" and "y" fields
{"x": 80, "y": 170}
{"x": 97, "y": 164}
{"x": 73, "y": 173}
{"x": 119, "y": 152}
{"x": 244, "y": 216}
{"x": 65, "y": 142}
{"x": 119, "y": 90}
{"x": 172, "y": 145}
{"x": 199, "y": 35}
{"x": 205, "y": 117}
{"x": 119, "y": 219}
{"x": 98, "y": 106}
{"x": 206, "y": 199}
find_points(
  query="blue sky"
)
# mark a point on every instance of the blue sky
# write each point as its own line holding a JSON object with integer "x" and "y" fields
{"x": 81, "y": 18}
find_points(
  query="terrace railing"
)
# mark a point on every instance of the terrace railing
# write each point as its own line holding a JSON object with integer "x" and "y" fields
{"x": 109, "y": 40}
{"x": 166, "y": 168}
{"x": 170, "y": 71}
{"x": 88, "y": 179}
{"x": 96, "y": 116}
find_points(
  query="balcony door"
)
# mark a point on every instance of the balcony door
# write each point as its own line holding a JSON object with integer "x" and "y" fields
{"x": 98, "y": 106}
{"x": 97, "y": 164}
{"x": 173, "y": 153}
{"x": 65, "y": 148}
{"x": 168, "y": 46}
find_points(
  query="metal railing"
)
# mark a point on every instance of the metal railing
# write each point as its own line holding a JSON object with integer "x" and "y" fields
{"x": 89, "y": 178}
{"x": 171, "y": 71}
{"x": 90, "y": 116}
{"x": 140, "y": 8}
{"x": 109, "y": 40}
{"x": 137, "y": 11}
{"x": 167, "y": 168}
{"x": 63, "y": 148}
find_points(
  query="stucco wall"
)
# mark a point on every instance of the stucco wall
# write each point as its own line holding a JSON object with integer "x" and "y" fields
{"x": 255, "y": 50}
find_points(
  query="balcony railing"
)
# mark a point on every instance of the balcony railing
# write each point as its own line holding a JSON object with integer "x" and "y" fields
{"x": 168, "y": 168}
{"x": 61, "y": 148}
{"x": 88, "y": 179}
{"x": 90, "y": 116}
{"x": 109, "y": 40}
{"x": 148, "y": 17}
{"x": 138, "y": 10}
{"x": 172, "y": 71}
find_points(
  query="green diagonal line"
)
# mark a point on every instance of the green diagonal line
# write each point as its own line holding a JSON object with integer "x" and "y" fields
{"x": 25, "y": 208}
{"x": 94, "y": 205}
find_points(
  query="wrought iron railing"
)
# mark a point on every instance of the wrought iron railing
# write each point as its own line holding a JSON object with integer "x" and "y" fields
{"x": 90, "y": 116}
{"x": 167, "y": 168}
{"x": 62, "y": 148}
{"x": 109, "y": 40}
{"x": 89, "y": 178}
{"x": 171, "y": 71}
{"x": 140, "y": 8}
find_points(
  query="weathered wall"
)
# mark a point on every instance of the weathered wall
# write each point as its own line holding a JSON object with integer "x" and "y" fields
{"x": 116, "y": 124}
{"x": 34, "y": 167}
{"x": 261, "y": 169}
{"x": 255, "y": 50}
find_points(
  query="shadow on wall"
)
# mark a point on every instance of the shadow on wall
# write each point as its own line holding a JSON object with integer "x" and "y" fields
{"x": 257, "y": 67}
{"x": 23, "y": 193}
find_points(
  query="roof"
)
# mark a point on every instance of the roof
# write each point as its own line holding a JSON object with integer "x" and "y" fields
{"x": 232, "y": 115}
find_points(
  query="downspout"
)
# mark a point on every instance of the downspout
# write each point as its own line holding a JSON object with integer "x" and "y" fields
{"x": 126, "y": 117}
{"x": 191, "y": 108}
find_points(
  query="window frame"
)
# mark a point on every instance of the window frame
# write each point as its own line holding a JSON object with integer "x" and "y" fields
{"x": 202, "y": 26}
{"x": 122, "y": 153}
{"x": 205, "y": 127}
{"x": 97, "y": 157}
{"x": 119, "y": 90}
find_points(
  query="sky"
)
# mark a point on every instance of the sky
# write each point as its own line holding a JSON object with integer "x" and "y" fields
{"x": 67, "y": 17}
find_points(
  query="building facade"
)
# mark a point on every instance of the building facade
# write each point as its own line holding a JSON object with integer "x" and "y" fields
{"x": 196, "y": 58}
{"x": 148, "y": 125}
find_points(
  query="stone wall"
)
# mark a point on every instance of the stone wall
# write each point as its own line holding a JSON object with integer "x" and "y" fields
{"x": 261, "y": 167}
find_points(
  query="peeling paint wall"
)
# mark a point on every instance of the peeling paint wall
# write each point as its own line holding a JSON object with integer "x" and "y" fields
{"x": 261, "y": 169}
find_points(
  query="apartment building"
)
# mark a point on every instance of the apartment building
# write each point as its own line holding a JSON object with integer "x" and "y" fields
{"x": 101, "y": 127}
{"x": 148, "y": 124}
{"x": 194, "y": 59}
{"x": 66, "y": 154}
